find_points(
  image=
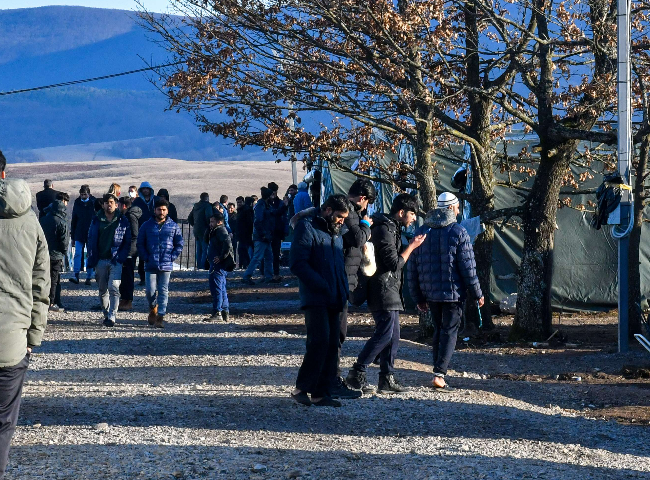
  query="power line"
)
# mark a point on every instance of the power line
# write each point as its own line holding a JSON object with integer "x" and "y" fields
{"x": 87, "y": 80}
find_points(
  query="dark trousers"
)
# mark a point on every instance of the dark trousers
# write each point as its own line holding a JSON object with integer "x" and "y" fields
{"x": 56, "y": 267}
{"x": 446, "y": 318}
{"x": 141, "y": 273}
{"x": 244, "y": 256}
{"x": 128, "y": 279}
{"x": 319, "y": 363}
{"x": 343, "y": 333}
{"x": 276, "y": 246}
{"x": 384, "y": 342}
{"x": 11, "y": 387}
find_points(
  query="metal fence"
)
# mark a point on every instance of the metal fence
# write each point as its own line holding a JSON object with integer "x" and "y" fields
{"x": 187, "y": 258}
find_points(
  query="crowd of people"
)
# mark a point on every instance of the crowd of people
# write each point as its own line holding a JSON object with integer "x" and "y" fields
{"x": 339, "y": 253}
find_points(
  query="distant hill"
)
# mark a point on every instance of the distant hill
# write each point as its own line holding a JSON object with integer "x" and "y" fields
{"x": 123, "y": 117}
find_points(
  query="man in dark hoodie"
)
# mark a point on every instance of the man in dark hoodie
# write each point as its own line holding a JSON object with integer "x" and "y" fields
{"x": 245, "y": 220}
{"x": 440, "y": 274}
{"x": 280, "y": 227}
{"x": 173, "y": 213}
{"x": 145, "y": 202}
{"x": 262, "y": 236}
{"x": 55, "y": 228}
{"x": 199, "y": 220}
{"x": 45, "y": 197}
{"x": 222, "y": 260}
{"x": 385, "y": 294}
{"x": 83, "y": 212}
{"x": 127, "y": 285}
{"x": 317, "y": 260}
{"x": 24, "y": 283}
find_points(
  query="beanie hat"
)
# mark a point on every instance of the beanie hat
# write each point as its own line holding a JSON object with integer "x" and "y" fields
{"x": 303, "y": 186}
{"x": 447, "y": 199}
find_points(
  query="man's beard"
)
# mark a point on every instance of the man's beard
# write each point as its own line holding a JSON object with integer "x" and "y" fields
{"x": 161, "y": 218}
{"x": 334, "y": 228}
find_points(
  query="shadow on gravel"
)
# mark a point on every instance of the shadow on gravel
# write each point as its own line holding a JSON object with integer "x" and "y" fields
{"x": 368, "y": 417}
{"x": 221, "y": 461}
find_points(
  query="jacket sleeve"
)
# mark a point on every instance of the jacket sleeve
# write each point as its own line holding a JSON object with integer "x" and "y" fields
{"x": 226, "y": 246}
{"x": 414, "y": 278}
{"x": 357, "y": 234}
{"x": 467, "y": 265}
{"x": 299, "y": 258}
{"x": 63, "y": 238}
{"x": 40, "y": 290}
{"x": 142, "y": 242}
{"x": 73, "y": 221}
{"x": 259, "y": 224}
{"x": 385, "y": 251}
{"x": 125, "y": 246}
{"x": 190, "y": 218}
{"x": 178, "y": 243}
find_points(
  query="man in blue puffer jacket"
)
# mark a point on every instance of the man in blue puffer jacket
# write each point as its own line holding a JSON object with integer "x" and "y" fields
{"x": 160, "y": 242}
{"x": 440, "y": 274}
{"x": 109, "y": 241}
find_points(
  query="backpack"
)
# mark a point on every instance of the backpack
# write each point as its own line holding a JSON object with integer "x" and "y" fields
{"x": 367, "y": 269}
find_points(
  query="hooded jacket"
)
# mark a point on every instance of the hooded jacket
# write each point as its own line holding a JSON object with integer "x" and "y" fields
{"x": 159, "y": 245}
{"x": 316, "y": 258}
{"x": 385, "y": 286}
{"x": 302, "y": 201}
{"x": 24, "y": 274}
{"x": 443, "y": 268}
{"x": 120, "y": 245}
{"x": 55, "y": 228}
{"x": 133, "y": 214}
{"x": 199, "y": 218}
{"x": 264, "y": 223}
{"x": 147, "y": 208}
{"x": 355, "y": 235}
{"x": 219, "y": 245}
{"x": 82, "y": 215}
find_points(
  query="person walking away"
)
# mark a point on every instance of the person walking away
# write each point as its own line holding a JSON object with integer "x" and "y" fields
{"x": 160, "y": 242}
{"x": 127, "y": 283}
{"x": 109, "y": 242}
{"x": 25, "y": 285}
{"x": 145, "y": 201}
{"x": 57, "y": 235}
{"x": 173, "y": 213}
{"x": 83, "y": 212}
{"x": 232, "y": 218}
{"x": 316, "y": 258}
{"x": 222, "y": 260}
{"x": 262, "y": 237}
{"x": 45, "y": 197}
{"x": 280, "y": 228}
{"x": 441, "y": 273}
{"x": 384, "y": 295}
{"x": 199, "y": 220}
{"x": 245, "y": 221}
{"x": 302, "y": 200}
{"x": 356, "y": 233}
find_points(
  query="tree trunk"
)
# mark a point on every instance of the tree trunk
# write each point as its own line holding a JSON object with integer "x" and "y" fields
{"x": 634, "y": 276}
{"x": 423, "y": 166}
{"x": 533, "y": 318}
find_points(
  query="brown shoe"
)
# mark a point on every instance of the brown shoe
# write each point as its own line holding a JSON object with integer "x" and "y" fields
{"x": 159, "y": 321}
{"x": 153, "y": 314}
{"x": 126, "y": 305}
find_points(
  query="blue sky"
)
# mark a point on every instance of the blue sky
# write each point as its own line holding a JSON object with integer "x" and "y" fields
{"x": 151, "y": 5}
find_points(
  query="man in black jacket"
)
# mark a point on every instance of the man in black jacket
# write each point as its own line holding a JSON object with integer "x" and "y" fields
{"x": 222, "y": 260}
{"x": 83, "y": 212}
{"x": 45, "y": 197}
{"x": 356, "y": 232}
{"x": 127, "y": 285}
{"x": 245, "y": 220}
{"x": 55, "y": 228}
{"x": 317, "y": 260}
{"x": 280, "y": 228}
{"x": 263, "y": 227}
{"x": 199, "y": 220}
{"x": 385, "y": 294}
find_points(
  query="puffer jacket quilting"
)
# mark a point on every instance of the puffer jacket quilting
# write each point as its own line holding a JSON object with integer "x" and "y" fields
{"x": 55, "y": 228}
{"x": 159, "y": 246}
{"x": 355, "y": 236}
{"x": 443, "y": 268}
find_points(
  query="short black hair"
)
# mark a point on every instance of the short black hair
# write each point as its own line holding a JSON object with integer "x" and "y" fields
{"x": 239, "y": 198}
{"x": 64, "y": 197}
{"x": 85, "y": 189}
{"x": 338, "y": 203}
{"x": 273, "y": 186}
{"x": 126, "y": 201}
{"x": 205, "y": 197}
{"x": 294, "y": 186}
{"x": 249, "y": 201}
{"x": 363, "y": 187}
{"x": 163, "y": 193}
{"x": 47, "y": 183}
{"x": 266, "y": 193}
{"x": 161, "y": 202}
{"x": 231, "y": 204}
{"x": 3, "y": 162}
{"x": 223, "y": 199}
{"x": 404, "y": 201}
{"x": 108, "y": 196}
{"x": 218, "y": 216}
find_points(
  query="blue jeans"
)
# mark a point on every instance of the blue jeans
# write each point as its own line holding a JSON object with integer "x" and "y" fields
{"x": 79, "y": 259}
{"x": 201, "y": 254}
{"x": 109, "y": 277}
{"x": 217, "y": 281}
{"x": 263, "y": 252}
{"x": 384, "y": 342}
{"x": 157, "y": 290}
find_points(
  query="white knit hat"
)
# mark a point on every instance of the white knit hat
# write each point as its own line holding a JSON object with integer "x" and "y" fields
{"x": 447, "y": 199}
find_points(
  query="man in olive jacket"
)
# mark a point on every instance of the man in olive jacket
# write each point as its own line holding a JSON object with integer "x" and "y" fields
{"x": 25, "y": 284}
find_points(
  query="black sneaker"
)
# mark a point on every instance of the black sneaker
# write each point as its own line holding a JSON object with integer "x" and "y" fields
{"x": 357, "y": 380}
{"x": 74, "y": 280}
{"x": 215, "y": 317}
{"x": 302, "y": 398}
{"x": 327, "y": 402}
{"x": 87, "y": 282}
{"x": 388, "y": 384}
{"x": 342, "y": 391}
{"x": 109, "y": 323}
{"x": 247, "y": 281}
{"x": 225, "y": 315}
{"x": 54, "y": 308}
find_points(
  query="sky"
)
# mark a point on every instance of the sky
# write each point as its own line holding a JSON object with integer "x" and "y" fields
{"x": 152, "y": 5}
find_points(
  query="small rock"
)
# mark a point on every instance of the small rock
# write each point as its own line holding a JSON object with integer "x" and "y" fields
{"x": 465, "y": 375}
{"x": 178, "y": 474}
{"x": 37, "y": 425}
{"x": 576, "y": 378}
{"x": 294, "y": 474}
{"x": 283, "y": 332}
{"x": 464, "y": 448}
{"x": 258, "y": 468}
{"x": 101, "y": 427}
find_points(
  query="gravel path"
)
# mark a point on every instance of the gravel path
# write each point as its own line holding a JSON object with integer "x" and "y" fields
{"x": 199, "y": 400}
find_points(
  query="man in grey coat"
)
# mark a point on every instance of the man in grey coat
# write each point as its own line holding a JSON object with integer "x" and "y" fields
{"x": 24, "y": 301}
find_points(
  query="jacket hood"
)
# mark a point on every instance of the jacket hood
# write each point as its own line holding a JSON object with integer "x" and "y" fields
{"x": 382, "y": 218}
{"x": 440, "y": 218}
{"x": 58, "y": 209}
{"x": 145, "y": 185}
{"x": 135, "y": 212}
{"x": 15, "y": 198}
{"x": 302, "y": 214}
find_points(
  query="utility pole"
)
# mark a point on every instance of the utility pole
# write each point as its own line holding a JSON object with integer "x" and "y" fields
{"x": 292, "y": 127}
{"x": 625, "y": 153}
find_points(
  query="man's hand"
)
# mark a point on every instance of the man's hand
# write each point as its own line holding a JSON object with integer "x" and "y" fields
{"x": 481, "y": 302}
{"x": 29, "y": 349}
{"x": 286, "y": 200}
{"x": 367, "y": 219}
{"x": 417, "y": 241}
{"x": 423, "y": 307}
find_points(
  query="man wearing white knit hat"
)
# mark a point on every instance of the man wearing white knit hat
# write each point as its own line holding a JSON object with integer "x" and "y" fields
{"x": 441, "y": 273}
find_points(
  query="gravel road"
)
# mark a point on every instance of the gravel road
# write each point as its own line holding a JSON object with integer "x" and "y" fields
{"x": 200, "y": 400}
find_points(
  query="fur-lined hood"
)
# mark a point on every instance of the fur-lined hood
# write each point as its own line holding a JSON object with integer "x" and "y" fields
{"x": 440, "y": 218}
{"x": 300, "y": 215}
